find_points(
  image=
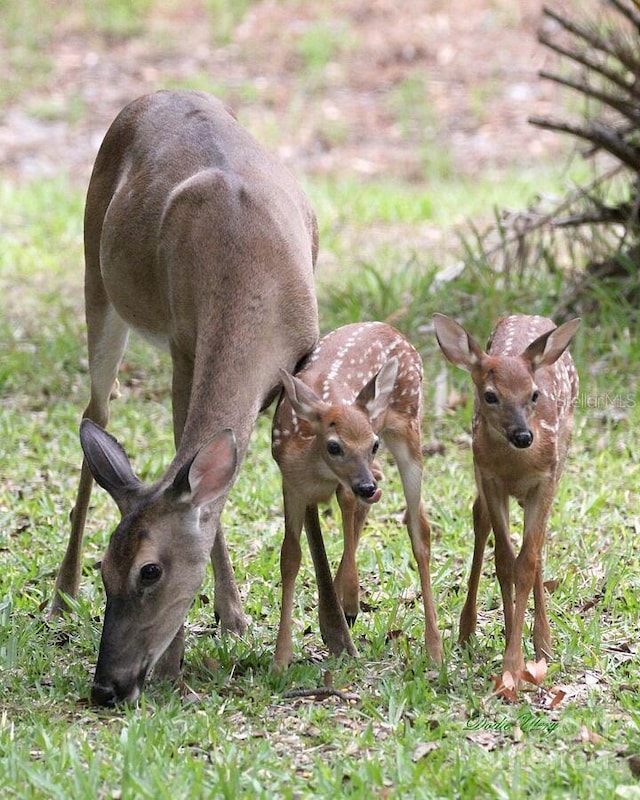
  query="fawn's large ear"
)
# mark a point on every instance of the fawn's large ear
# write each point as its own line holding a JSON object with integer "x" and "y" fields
{"x": 108, "y": 462}
{"x": 304, "y": 401}
{"x": 375, "y": 397}
{"x": 457, "y": 345}
{"x": 210, "y": 472}
{"x": 548, "y": 348}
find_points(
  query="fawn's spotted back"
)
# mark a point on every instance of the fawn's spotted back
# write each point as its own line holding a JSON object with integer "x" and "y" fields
{"x": 344, "y": 361}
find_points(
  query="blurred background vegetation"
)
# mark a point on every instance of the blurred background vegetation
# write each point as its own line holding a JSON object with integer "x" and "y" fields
{"x": 411, "y": 129}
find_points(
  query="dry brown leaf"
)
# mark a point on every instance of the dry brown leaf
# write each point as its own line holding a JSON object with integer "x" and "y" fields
{"x": 589, "y": 737}
{"x": 591, "y": 603}
{"x": 211, "y": 664}
{"x": 505, "y": 687}
{"x": 423, "y": 749}
{"x": 508, "y": 681}
{"x": 534, "y": 672}
{"x": 456, "y": 400}
{"x": 433, "y": 448}
{"x": 489, "y": 740}
{"x": 551, "y": 585}
{"x": 634, "y": 764}
{"x": 558, "y": 697}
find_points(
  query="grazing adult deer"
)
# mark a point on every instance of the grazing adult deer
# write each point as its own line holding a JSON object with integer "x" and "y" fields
{"x": 525, "y": 391}
{"x": 361, "y": 382}
{"x": 205, "y": 244}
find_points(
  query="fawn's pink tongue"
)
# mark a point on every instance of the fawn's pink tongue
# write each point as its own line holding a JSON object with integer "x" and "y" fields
{"x": 374, "y": 497}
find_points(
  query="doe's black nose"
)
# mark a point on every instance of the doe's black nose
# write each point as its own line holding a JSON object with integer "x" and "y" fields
{"x": 103, "y": 695}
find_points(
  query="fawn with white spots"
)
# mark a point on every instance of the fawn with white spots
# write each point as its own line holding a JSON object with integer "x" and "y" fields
{"x": 363, "y": 381}
{"x": 526, "y": 387}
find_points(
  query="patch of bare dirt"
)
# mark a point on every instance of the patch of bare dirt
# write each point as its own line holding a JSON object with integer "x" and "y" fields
{"x": 474, "y": 63}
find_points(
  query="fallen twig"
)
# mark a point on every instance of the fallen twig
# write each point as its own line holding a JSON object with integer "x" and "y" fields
{"x": 321, "y": 693}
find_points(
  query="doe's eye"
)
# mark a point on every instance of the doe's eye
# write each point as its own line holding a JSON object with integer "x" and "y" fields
{"x": 150, "y": 573}
{"x": 334, "y": 448}
{"x": 491, "y": 398}
{"x": 376, "y": 446}
{"x": 535, "y": 396}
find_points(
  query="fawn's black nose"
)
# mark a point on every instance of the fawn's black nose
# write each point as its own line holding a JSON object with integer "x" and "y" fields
{"x": 365, "y": 490}
{"x": 521, "y": 438}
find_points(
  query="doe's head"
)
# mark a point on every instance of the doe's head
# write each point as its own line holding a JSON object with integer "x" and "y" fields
{"x": 156, "y": 559}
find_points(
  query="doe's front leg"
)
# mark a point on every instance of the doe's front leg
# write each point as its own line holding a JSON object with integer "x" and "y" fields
{"x": 169, "y": 665}
{"x": 227, "y": 601}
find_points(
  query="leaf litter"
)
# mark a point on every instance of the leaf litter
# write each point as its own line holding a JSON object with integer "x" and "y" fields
{"x": 506, "y": 685}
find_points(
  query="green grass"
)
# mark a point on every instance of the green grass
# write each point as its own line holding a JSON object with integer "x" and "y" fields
{"x": 28, "y": 30}
{"x": 224, "y": 17}
{"x": 25, "y": 34}
{"x": 321, "y": 42}
{"x": 231, "y": 731}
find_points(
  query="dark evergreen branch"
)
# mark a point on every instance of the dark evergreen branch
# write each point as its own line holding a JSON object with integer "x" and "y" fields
{"x": 628, "y": 110}
{"x": 586, "y": 61}
{"x": 632, "y": 15}
{"x": 598, "y": 215}
{"x": 598, "y": 134}
{"x": 592, "y": 38}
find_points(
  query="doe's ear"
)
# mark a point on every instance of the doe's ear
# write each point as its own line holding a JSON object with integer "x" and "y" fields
{"x": 210, "y": 472}
{"x": 548, "y": 348}
{"x": 108, "y": 462}
{"x": 458, "y": 346}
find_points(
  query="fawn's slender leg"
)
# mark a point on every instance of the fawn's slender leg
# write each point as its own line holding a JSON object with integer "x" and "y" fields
{"x": 505, "y": 559}
{"x": 333, "y": 625}
{"x": 542, "y": 640}
{"x": 347, "y": 581}
{"x": 497, "y": 503}
{"x": 290, "y": 557}
{"x": 527, "y": 565}
{"x": 407, "y": 451}
{"x": 481, "y": 528}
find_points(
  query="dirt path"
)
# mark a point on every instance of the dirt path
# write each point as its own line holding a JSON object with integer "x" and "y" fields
{"x": 368, "y": 87}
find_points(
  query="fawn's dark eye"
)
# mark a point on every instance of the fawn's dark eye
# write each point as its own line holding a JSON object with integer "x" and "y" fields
{"x": 150, "y": 573}
{"x": 375, "y": 447}
{"x": 334, "y": 448}
{"x": 535, "y": 396}
{"x": 491, "y": 398}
